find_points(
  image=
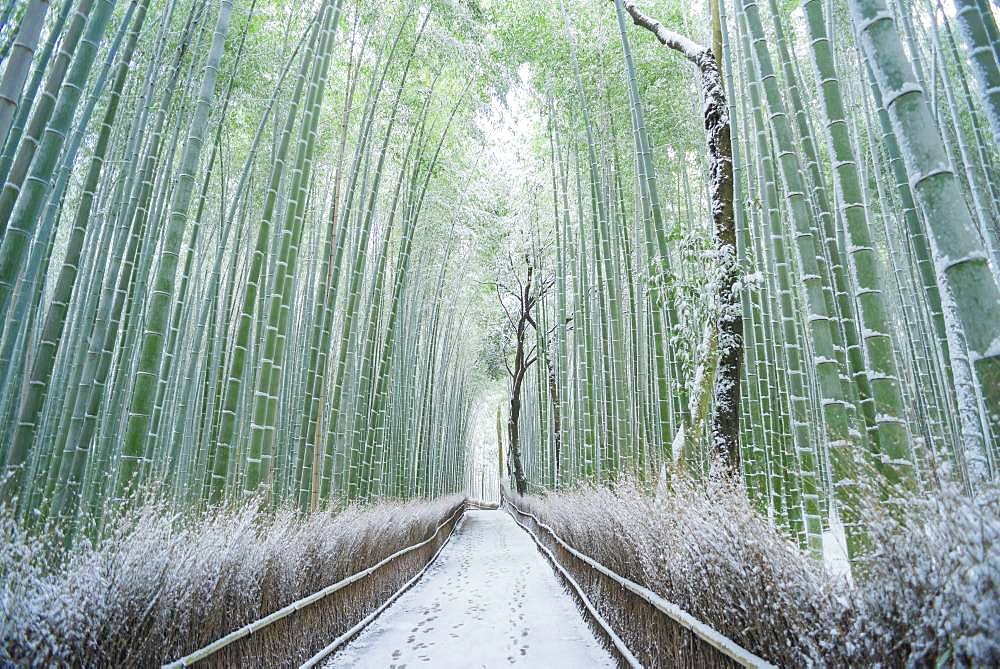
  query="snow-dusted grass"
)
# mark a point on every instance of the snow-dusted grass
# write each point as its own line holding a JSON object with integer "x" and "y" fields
{"x": 929, "y": 594}
{"x": 162, "y": 586}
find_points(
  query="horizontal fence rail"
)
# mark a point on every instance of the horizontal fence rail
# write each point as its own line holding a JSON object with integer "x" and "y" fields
{"x": 715, "y": 640}
{"x": 298, "y": 605}
{"x": 349, "y": 634}
{"x": 472, "y": 505}
{"x": 624, "y": 653}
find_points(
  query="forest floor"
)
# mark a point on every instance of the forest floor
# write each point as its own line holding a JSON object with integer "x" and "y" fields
{"x": 489, "y": 600}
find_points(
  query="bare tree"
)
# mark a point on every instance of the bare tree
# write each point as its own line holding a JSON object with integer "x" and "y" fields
{"x": 518, "y": 303}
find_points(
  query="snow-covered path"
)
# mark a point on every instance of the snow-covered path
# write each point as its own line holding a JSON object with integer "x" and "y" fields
{"x": 490, "y": 600}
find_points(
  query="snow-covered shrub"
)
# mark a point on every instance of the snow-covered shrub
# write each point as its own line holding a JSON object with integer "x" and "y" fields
{"x": 929, "y": 594}
{"x": 161, "y": 586}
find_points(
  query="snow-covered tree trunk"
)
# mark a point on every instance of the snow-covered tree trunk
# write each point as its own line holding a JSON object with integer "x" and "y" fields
{"x": 725, "y": 420}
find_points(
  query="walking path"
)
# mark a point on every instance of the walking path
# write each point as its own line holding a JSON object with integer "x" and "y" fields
{"x": 489, "y": 600}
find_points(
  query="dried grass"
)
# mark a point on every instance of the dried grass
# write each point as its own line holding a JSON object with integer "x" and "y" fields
{"x": 930, "y": 595}
{"x": 162, "y": 586}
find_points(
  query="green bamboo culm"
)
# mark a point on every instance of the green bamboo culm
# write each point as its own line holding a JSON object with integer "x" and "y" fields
{"x": 969, "y": 291}
{"x": 867, "y": 274}
{"x": 19, "y": 63}
{"x": 830, "y": 389}
{"x": 155, "y": 330}
{"x": 32, "y": 401}
{"x": 30, "y": 198}
{"x": 234, "y": 379}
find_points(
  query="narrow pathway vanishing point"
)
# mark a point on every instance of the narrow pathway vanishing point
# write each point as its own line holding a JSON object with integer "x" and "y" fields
{"x": 489, "y": 600}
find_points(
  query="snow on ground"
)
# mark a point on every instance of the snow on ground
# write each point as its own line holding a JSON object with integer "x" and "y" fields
{"x": 489, "y": 600}
{"x": 835, "y": 548}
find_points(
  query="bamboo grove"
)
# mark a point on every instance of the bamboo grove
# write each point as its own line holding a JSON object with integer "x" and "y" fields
{"x": 222, "y": 272}
{"x": 256, "y": 250}
{"x": 864, "y": 155}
